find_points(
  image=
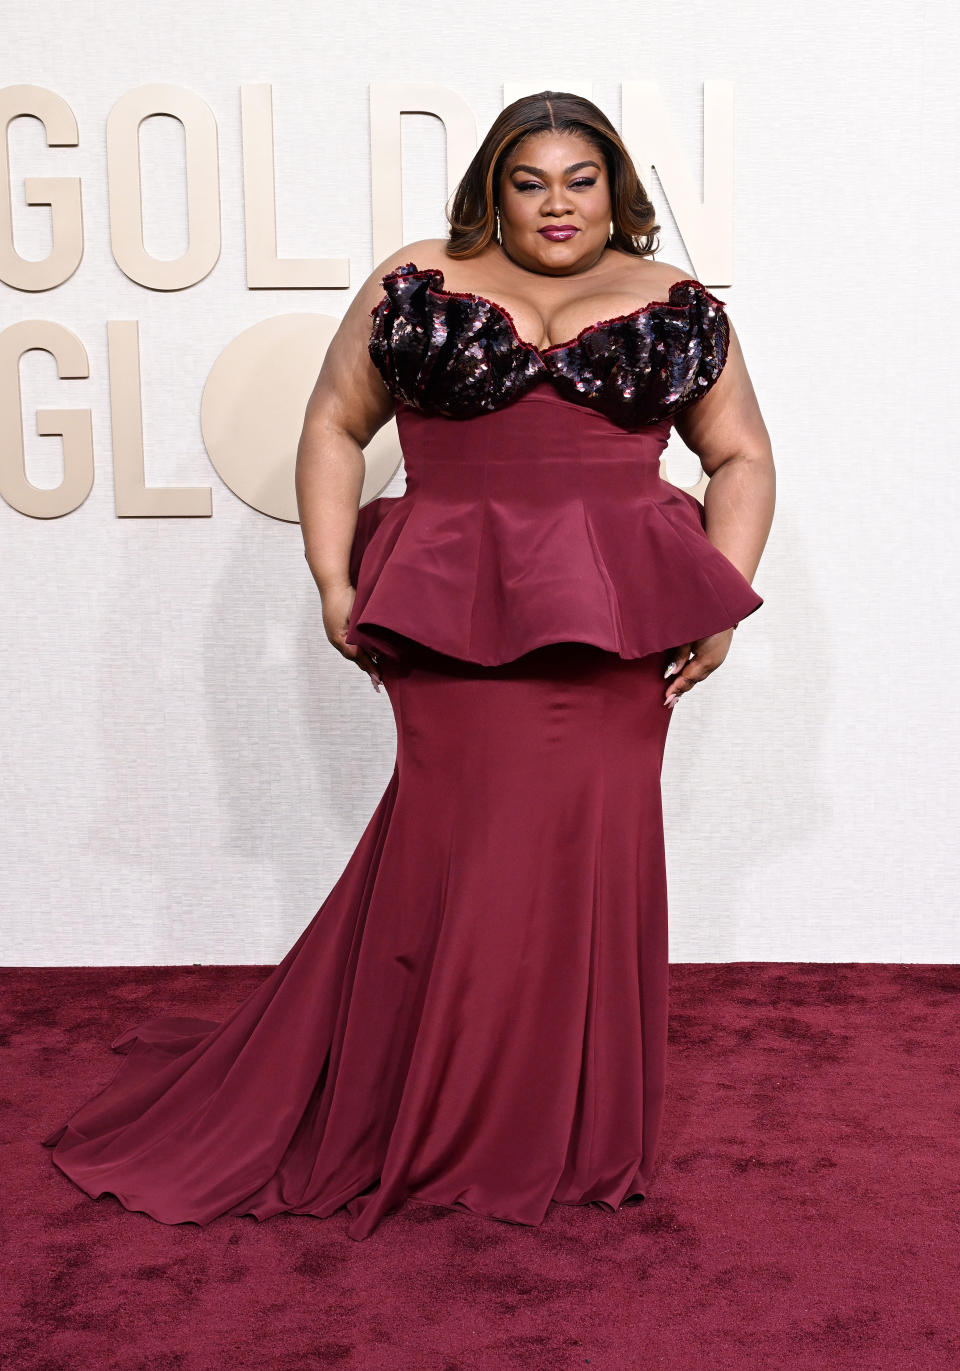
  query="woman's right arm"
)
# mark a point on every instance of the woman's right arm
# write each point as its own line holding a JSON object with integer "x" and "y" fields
{"x": 347, "y": 406}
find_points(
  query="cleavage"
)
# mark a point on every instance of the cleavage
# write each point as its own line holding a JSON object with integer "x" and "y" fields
{"x": 528, "y": 320}
{"x": 586, "y": 308}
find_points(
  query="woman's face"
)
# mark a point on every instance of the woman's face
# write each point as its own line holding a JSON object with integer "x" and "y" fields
{"x": 554, "y": 181}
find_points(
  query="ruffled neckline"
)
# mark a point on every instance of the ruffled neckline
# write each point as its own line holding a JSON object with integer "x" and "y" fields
{"x": 688, "y": 286}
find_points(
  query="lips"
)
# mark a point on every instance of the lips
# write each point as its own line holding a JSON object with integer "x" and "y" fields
{"x": 558, "y": 235}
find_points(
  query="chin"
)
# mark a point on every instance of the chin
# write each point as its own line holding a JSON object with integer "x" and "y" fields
{"x": 565, "y": 243}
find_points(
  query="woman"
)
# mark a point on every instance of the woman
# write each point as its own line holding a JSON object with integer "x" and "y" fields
{"x": 476, "y": 1017}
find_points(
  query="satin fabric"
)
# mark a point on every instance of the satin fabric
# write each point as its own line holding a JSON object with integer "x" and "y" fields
{"x": 542, "y": 522}
{"x": 476, "y": 1016}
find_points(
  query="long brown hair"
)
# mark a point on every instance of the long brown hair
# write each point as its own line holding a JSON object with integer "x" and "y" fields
{"x": 473, "y": 204}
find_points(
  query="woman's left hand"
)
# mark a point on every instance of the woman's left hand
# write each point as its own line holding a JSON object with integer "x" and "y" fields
{"x": 708, "y": 653}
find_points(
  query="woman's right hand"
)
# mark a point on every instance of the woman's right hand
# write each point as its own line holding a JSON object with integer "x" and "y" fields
{"x": 337, "y": 602}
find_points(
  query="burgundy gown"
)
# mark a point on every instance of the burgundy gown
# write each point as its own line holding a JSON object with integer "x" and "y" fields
{"x": 476, "y": 1016}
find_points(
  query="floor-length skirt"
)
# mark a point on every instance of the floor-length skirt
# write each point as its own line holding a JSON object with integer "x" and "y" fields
{"x": 475, "y": 1018}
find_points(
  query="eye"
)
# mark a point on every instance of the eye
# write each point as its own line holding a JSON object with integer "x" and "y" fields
{"x": 535, "y": 185}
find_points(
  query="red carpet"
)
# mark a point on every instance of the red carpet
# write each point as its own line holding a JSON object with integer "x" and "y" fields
{"x": 804, "y": 1212}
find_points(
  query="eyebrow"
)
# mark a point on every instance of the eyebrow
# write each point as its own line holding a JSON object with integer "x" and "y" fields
{"x": 539, "y": 171}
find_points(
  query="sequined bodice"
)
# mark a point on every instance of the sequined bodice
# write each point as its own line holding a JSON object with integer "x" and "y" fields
{"x": 459, "y": 354}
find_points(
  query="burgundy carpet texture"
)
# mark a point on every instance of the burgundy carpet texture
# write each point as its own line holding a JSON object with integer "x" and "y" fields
{"x": 803, "y": 1214}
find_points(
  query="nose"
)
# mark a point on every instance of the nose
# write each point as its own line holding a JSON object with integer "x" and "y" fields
{"x": 556, "y": 205}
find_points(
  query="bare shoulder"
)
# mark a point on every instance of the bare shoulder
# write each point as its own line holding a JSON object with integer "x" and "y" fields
{"x": 643, "y": 278}
{"x": 425, "y": 252}
{"x": 663, "y": 275}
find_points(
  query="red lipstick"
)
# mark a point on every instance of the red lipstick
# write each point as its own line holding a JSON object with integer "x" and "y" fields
{"x": 556, "y": 234}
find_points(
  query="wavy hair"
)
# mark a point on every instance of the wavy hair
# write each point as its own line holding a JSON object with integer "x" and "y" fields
{"x": 473, "y": 204}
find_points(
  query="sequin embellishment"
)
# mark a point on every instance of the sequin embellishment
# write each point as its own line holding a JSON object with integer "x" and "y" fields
{"x": 459, "y": 354}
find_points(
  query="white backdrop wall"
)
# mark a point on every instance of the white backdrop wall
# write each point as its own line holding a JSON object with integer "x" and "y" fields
{"x": 187, "y": 764}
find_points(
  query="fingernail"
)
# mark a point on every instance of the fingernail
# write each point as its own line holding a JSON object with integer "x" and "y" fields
{"x": 375, "y": 682}
{"x": 670, "y": 669}
{"x": 672, "y": 701}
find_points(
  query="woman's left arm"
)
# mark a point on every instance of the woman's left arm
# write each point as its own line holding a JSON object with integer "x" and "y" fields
{"x": 726, "y": 431}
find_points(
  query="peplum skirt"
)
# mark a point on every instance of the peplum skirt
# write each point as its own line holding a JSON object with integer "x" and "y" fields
{"x": 475, "y": 1017}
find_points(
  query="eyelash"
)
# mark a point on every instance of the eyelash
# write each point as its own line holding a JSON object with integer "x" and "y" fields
{"x": 582, "y": 181}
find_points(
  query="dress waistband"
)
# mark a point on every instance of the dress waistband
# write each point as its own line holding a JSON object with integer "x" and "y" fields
{"x": 536, "y": 439}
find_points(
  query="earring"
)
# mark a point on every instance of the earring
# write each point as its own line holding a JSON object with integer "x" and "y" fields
{"x": 612, "y": 230}
{"x": 499, "y": 237}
